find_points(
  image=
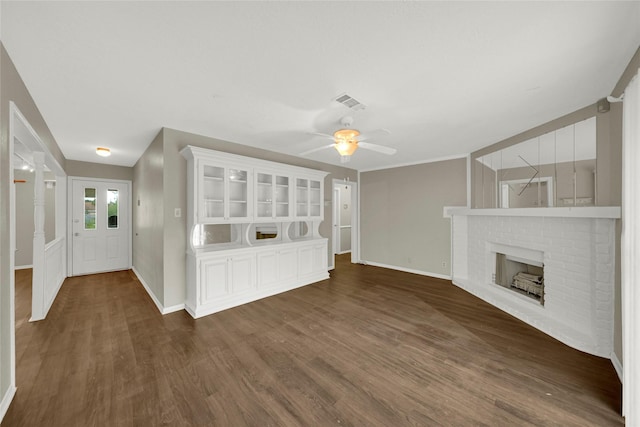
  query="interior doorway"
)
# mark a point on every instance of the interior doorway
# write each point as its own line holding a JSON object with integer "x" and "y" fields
{"x": 344, "y": 221}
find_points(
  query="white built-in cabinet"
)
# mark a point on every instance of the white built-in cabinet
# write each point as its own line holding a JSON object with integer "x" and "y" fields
{"x": 249, "y": 195}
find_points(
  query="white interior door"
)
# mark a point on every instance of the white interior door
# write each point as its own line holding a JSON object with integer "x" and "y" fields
{"x": 100, "y": 226}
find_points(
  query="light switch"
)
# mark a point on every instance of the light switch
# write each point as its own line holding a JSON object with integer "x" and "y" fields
{"x": 177, "y": 212}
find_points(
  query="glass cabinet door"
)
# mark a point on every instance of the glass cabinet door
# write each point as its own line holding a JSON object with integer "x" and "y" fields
{"x": 223, "y": 194}
{"x": 302, "y": 197}
{"x": 213, "y": 192}
{"x": 315, "y": 199}
{"x": 282, "y": 196}
{"x": 238, "y": 200}
{"x": 264, "y": 195}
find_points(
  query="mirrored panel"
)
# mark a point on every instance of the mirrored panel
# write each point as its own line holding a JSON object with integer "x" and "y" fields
{"x": 215, "y": 234}
{"x": 264, "y": 232}
{"x": 298, "y": 230}
{"x": 554, "y": 169}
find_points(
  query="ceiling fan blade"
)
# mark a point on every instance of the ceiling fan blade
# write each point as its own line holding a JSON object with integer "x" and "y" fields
{"x": 379, "y": 148}
{"x": 316, "y": 149}
{"x": 373, "y": 134}
{"x": 324, "y": 135}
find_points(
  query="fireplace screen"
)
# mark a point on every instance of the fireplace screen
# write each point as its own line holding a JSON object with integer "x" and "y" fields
{"x": 520, "y": 275}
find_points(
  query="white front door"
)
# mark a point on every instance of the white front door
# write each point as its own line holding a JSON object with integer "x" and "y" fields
{"x": 100, "y": 226}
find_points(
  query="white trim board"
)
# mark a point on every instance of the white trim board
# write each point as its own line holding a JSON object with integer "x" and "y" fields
{"x": 407, "y": 270}
{"x": 161, "y": 308}
{"x": 617, "y": 365}
{"x": 6, "y": 401}
{"x": 23, "y": 267}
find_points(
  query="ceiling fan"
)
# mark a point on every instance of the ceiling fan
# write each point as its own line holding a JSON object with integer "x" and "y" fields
{"x": 347, "y": 140}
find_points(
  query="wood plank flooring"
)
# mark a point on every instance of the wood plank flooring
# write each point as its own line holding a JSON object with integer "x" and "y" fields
{"x": 368, "y": 347}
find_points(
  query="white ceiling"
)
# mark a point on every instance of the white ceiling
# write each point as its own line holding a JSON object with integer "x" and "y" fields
{"x": 445, "y": 78}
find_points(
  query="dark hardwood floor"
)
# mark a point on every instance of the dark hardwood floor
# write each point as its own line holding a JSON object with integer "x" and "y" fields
{"x": 369, "y": 346}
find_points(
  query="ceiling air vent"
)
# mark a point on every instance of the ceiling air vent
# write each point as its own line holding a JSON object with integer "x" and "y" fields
{"x": 350, "y": 102}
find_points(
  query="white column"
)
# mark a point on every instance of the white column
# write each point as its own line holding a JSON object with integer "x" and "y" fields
{"x": 37, "y": 300}
{"x": 631, "y": 254}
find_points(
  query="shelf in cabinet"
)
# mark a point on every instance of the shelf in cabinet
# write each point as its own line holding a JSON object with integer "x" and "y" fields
{"x": 213, "y": 200}
{"x": 237, "y": 201}
{"x": 264, "y": 202}
{"x": 212, "y": 178}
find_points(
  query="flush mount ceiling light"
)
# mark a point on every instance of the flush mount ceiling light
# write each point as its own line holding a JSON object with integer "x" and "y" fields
{"x": 102, "y": 151}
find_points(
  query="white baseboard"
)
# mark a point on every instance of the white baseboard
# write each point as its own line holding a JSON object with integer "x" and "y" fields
{"x": 407, "y": 270}
{"x": 173, "y": 308}
{"x": 23, "y": 267}
{"x": 616, "y": 365}
{"x": 6, "y": 401}
{"x": 161, "y": 308}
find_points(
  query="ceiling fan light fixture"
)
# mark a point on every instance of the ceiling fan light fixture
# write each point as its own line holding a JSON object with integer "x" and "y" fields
{"x": 345, "y": 141}
{"x": 346, "y": 147}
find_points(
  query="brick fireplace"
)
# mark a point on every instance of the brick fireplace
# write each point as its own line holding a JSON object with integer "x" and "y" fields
{"x": 576, "y": 246}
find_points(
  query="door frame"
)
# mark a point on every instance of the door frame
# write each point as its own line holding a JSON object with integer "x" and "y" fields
{"x": 70, "y": 181}
{"x": 21, "y": 129}
{"x": 355, "y": 221}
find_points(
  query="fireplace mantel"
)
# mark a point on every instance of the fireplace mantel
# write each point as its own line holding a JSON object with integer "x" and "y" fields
{"x": 612, "y": 212}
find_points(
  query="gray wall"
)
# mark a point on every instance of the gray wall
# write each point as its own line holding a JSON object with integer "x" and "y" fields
{"x": 401, "y": 214}
{"x": 98, "y": 170}
{"x": 148, "y": 217}
{"x": 172, "y": 167}
{"x": 13, "y": 89}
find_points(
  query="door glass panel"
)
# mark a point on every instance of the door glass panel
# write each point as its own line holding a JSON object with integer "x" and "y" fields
{"x": 89, "y": 208}
{"x": 112, "y": 208}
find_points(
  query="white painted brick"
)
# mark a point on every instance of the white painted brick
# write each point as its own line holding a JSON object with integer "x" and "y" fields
{"x": 579, "y": 260}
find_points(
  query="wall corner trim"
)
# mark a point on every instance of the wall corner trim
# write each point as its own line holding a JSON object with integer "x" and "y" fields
{"x": 407, "y": 270}
{"x": 6, "y": 401}
{"x": 617, "y": 365}
{"x": 161, "y": 308}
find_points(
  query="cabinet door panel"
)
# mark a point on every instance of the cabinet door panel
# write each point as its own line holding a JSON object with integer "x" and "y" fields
{"x": 267, "y": 269}
{"x": 320, "y": 258}
{"x": 287, "y": 264}
{"x": 213, "y": 277}
{"x": 305, "y": 260}
{"x": 242, "y": 273}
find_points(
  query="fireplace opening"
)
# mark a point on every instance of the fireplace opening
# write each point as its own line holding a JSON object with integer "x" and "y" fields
{"x": 520, "y": 275}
